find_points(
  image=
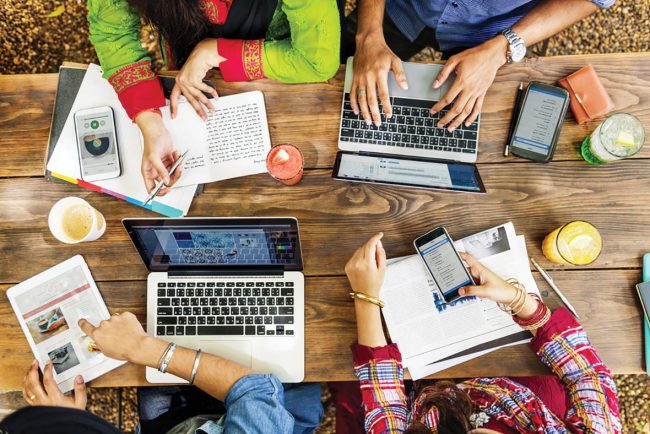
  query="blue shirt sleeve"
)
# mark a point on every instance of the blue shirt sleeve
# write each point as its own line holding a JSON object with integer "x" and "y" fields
{"x": 255, "y": 404}
{"x": 603, "y": 3}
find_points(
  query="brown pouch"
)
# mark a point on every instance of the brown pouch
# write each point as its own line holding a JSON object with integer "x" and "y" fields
{"x": 589, "y": 99}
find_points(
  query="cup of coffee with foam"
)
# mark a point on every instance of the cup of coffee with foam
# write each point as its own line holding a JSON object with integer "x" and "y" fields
{"x": 72, "y": 220}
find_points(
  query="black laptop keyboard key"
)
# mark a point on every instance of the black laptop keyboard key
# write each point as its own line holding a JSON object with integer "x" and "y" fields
{"x": 165, "y": 311}
{"x": 220, "y": 330}
{"x": 166, "y": 320}
{"x": 289, "y": 301}
{"x": 160, "y": 330}
{"x": 161, "y": 292}
{"x": 283, "y": 319}
{"x": 412, "y": 126}
{"x": 164, "y": 302}
{"x": 190, "y": 330}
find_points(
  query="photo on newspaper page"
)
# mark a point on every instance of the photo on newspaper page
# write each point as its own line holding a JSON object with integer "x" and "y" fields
{"x": 48, "y": 307}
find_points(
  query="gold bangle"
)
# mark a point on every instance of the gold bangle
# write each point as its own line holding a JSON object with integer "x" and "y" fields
{"x": 369, "y": 299}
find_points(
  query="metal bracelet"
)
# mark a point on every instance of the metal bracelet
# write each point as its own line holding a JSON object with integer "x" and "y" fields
{"x": 195, "y": 368}
{"x": 166, "y": 358}
{"x": 369, "y": 299}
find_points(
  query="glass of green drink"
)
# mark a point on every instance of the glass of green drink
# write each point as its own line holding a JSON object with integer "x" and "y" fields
{"x": 619, "y": 136}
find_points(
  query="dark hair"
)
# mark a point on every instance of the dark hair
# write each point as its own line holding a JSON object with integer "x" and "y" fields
{"x": 454, "y": 409}
{"x": 181, "y": 22}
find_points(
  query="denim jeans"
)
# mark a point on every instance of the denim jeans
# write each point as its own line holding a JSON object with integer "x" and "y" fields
{"x": 257, "y": 403}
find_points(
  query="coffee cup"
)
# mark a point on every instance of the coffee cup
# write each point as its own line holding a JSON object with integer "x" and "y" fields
{"x": 72, "y": 220}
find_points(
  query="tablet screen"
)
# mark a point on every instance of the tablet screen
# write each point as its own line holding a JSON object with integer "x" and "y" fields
{"x": 408, "y": 171}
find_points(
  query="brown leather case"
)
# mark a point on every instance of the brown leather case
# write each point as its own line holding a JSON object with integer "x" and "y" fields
{"x": 589, "y": 99}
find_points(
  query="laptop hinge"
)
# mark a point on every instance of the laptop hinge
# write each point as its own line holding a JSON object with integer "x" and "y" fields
{"x": 270, "y": 271}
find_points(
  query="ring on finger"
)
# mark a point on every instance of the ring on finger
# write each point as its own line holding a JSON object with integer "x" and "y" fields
{"x": 361, "y": 91}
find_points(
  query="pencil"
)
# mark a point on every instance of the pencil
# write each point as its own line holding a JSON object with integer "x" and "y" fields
{"x": 554, "y": 287}
{"x": 515, "y": 113}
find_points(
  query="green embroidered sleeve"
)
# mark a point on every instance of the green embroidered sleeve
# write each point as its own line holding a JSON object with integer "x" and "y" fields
{"x": 115, "y": 33}
{"x": 311, "y": 53}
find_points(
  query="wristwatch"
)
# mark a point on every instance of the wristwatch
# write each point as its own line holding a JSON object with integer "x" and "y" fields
{"x": 516, "y": 46}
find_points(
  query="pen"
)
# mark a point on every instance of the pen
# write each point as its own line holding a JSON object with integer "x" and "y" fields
{"x": 171, "y": 172}
{"x": 551, "y": 283}
{"x": 515, "y": 112}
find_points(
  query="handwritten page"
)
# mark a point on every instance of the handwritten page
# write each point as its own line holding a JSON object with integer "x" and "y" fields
{"x": 233, "y": 142}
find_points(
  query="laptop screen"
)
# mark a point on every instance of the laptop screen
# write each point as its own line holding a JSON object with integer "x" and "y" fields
{"x": 179, "y": 244}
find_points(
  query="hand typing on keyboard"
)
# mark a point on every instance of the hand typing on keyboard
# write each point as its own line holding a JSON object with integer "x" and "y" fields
{"x": 475, "y": 70}
{"x": 372, "y": 62}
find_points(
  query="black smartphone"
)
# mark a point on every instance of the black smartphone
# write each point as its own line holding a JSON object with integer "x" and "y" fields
{"x": 539, "y": 122}
{"x": 436, "y": 248}
{"x": 644, "y": 295}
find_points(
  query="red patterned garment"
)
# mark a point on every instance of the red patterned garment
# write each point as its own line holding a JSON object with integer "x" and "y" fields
{"x": 501, "y": 404}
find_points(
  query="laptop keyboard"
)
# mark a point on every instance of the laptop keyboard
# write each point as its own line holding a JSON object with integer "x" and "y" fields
{"x": 237, "y": 308}
{"x": 411, "y": 126}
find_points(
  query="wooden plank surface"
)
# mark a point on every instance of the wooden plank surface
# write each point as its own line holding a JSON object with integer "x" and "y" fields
{"x": 605, "y": 300}
{"x": 537, "y": 198}
{"x": 336, "y": 217}
{"x": 308, "y": 114}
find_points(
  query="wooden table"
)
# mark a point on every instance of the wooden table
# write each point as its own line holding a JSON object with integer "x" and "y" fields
{"x": 336, "y": 217}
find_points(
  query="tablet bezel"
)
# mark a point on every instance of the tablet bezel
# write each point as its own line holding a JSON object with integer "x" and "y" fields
{"x": 337, "y": 163}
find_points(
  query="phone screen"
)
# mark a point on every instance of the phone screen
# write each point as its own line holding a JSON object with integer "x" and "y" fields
{"x": 97, "y": 144}
{"x": 539, "y": 119}
{"x": 644, "y": 295}
{"x": 447, "y": 269}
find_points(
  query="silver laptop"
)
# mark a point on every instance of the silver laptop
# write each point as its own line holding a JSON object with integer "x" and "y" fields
{"x": 412, "y": 129}
{"x": 230, "y": 286}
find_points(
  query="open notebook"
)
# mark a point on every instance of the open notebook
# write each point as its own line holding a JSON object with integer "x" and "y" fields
{"x": 233, "y": 142}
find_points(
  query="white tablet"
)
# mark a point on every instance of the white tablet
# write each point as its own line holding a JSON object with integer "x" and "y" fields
{"x": 48, "y": 307}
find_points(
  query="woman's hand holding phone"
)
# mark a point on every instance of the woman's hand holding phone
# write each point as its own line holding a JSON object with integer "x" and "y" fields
{"x": 492, "y": 287}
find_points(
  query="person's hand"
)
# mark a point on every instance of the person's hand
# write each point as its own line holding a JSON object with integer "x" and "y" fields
{"x": 47, "y": 392}
{"x": 158, "y": 155}
{"x": 475, "y": 71}
{"x": 121, "y": 337}
{"x": 489, "y": 285}
{"x": 366, "y": 268}
{"x": 189, "y": 80}
{"x": 372, "y": 62}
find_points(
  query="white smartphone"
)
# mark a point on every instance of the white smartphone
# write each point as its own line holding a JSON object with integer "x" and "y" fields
{"x": 99, "y": 155}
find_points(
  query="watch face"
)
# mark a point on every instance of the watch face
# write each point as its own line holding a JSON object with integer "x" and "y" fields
{"x": 517, "y": 52}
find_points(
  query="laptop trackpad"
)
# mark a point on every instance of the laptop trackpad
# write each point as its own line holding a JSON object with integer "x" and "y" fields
{"x": 237, "y": 351}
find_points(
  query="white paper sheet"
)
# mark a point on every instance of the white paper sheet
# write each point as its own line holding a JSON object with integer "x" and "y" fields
{"x": 95, "y": 91}
{"x": 427, "y": 332}
{"x": 233, "y": 142}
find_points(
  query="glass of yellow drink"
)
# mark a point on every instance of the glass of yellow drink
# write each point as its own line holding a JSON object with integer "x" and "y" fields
{"x": 575, "y": 243}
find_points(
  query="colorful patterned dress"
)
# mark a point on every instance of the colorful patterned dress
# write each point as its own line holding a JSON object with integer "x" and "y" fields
{"x": 501, "y": 404}
{"x": 301, "y": 45}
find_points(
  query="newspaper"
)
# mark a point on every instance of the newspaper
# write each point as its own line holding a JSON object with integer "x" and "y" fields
{"x": 49, "y": 306}
{"x": 433, "y": 335}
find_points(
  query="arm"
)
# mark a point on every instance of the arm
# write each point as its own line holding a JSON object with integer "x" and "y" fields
{"x": 122, "y": 338}
{"x": 476, "y": 67}
{"x": 115, "y": 33}
{"x": 563, "y": 346}
{"x": 311, "y": 53}
{"x": 372, "y": 62}
{"x": 377, "y": 365}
